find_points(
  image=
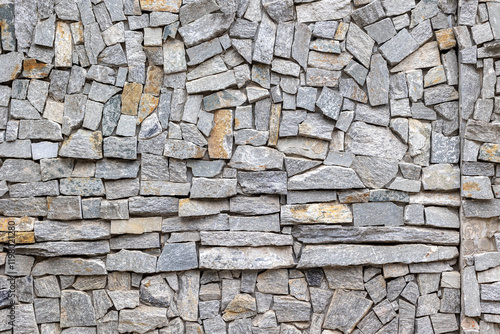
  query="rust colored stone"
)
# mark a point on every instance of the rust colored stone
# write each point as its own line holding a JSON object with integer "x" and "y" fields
{"x": 220, "y": 142}
{"x": 131, "y": 97}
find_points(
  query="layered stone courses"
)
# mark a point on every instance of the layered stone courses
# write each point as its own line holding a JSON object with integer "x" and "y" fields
{"x": 250, "y": 166}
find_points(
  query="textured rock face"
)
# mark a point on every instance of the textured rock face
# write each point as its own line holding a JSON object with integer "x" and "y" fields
{"x": 257, "y": 166}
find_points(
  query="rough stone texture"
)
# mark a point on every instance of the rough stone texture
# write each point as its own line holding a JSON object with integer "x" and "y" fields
{"x": 270, "y": 136}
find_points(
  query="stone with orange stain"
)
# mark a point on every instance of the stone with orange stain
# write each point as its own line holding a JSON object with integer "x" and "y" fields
{"x": 19, "y": 237}
{"x": 131, "y": 96}
{"x": 243, "y": 305}
{"x": 154, "y": 80}
{"x": 136, "y": 225}
{"x": 11, "y": 66}
{"x": 489, "y": 152}
{"x": 446, "y": 39}
{"x": 35, "y": 70}
{"x": 63, "y": 45}
{"x": 18, "y": 224}
{"x": 317, "y": 213}
{"x": 477, "y": 187}
{"x": 274, "y": 124}
{"x": 147, "y": 105}
{"x": 77, "y": 32}
{"x": 329, "y": 61}
{"x": 161, "y": 5}
{"x": 427, "y": 56}
{"x": 220, "y": 142}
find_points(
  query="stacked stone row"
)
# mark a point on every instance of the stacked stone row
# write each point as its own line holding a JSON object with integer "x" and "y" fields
{"x": 160, "y": 159}
{"x": 478, "y": 35}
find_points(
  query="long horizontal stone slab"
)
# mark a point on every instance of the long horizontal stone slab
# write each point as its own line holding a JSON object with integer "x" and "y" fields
{"x": 314, "y": 256}
{"x": 245, "y": 258}
{"x": 322, "y": 213}
{"x": 252, "y": 239}
{"x": 51, "y": 230}
{"x": 317, "y": 234}
{"x": 70, "y": 266}
{"x": 74, "y": 248}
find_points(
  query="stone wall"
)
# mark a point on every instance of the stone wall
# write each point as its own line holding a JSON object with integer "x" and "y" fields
{"x": 249, "y": 166}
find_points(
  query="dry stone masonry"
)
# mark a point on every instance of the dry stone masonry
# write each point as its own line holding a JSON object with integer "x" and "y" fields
{"x": 250, "y": 167}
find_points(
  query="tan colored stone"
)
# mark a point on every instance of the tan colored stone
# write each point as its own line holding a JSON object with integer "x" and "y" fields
{"x": 154, "y": 80}
{"x": 147, "y": 105}
{"x": 274, "y": 124}
{"x": 446, "y": 39}
{"x": 23, "y": 224}
{"x": 242, "y": 306}
{"x": 320, "y": 213}
{"x": 161, "y": 5}
{"x": 220, "y": 142}
{"x": 35, "y": 70}
{"x": 63, "y": 45}
{"x": 136, "y": 225}
{"x": 131, "y": 96}
{"x": 490, "y": 152}
{"x": 427, "y": 56}
{"x": 329, "y": 61}
{"x": 20, "y": 237}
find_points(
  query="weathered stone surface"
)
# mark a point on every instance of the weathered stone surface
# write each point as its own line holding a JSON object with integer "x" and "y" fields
{"x": 315, "y": 234}
{"x": 326, "y": 213}
{"x": 365, "y": 139}
{"x": 220, "y": 142}
{"x": 307, "y": 147}
{"x": 368, "y": 214}
{"x": 256, "y": 158}
{"x": 441, "y": 177}
{"x": 325, "y": 177}
{"x": 267, "y": 182}
{"x": 359, "y": 44}
{"x": 241, "y": 239}
{"x": 482, "y": 131}
{"x": 82, "y": 144}
{"x": 69, "y": 266}
{"x": 142, "y": 319}
{"x": 346, "y": 310}
{"x": 345, "y": 255}
{"x": 134, "y": 261}
{"x": 426, "y": 56}
{"x": 13, "y": 65}
{"x": 245, "y": 258}
{"x": 323, "y": 10}
{"x": 178, "y": 256}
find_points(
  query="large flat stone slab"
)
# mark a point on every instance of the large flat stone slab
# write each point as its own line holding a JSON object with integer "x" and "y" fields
{"x": 355, "y": 255}
{"x": 318, "y": 234}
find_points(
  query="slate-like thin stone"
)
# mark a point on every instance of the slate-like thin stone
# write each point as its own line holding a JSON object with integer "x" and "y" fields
{"x": 344, "y": 255}
{"x": 377, "y": 81}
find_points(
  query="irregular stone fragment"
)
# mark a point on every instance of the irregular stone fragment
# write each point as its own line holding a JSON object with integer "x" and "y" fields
{"x": 220, "y": 142}
{"x": 377, "y": 81}
{"x": 134, "y": 261}
{"x": 253, "y": 239}
{"x": 365, "y": 139}
{"x": 301, "y": 44}
{"x": 359, "y": 44}
{"x": 426, "y": 56}
{"x": 346, "y": 310}
{"x": 307, "y": 147}
{"x": 328, "y": 61}
{"x": 399, "y": 47}
{"x": 326, "y": 177}
{"x": 206, "y": 28}
{"x": 76, "y": 309}
{"x": 181, "y": 149}
{"x": 381, "y": 31}
{"x": 351, "y": 90}
{"x": 245, "y": 258}
{"x": 174, "y": 59}
{"x": 178, "y": 256}
{"x": 142, "y": 319}
{"x": 12, "y": 65}
{"x": 323, "y": 10}
{"x": 82, "y": 144}
{"x": 477, "y": 187}
{"x": 224, "y": 99}
{"x": 214, "y": 82}
{"x": 63, "y": 45}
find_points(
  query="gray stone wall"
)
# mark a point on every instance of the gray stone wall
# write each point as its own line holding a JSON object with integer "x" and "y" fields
{"x": 235, "y": 167}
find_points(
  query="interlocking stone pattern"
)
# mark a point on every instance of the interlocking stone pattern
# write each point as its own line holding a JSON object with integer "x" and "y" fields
{"x": 248, "y": 166}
